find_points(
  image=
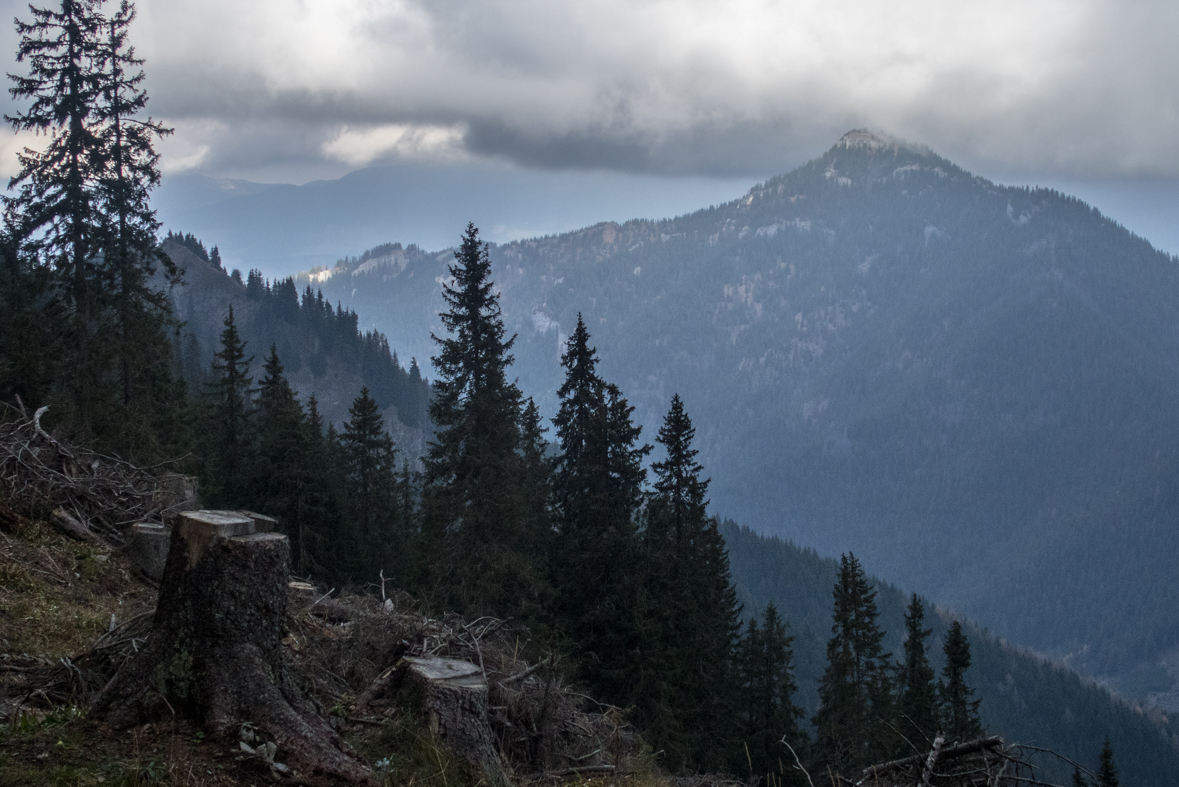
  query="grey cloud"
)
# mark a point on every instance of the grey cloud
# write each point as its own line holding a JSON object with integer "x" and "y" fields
{"x": 1064, "y": 89}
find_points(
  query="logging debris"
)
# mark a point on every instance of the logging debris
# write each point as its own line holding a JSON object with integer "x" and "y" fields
{"x": 87, "y": 495}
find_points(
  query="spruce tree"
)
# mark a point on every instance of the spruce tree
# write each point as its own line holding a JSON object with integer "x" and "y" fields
{"x": 767, "y": 686}
{"x": 1078, "y": 778}
{"x": 917, "y": 704}
{"x": 280, "y": 473}
{"x": 960, "y": 720}
{"x": 855, "y": 702}
{"x": 29, "y": 347}
{"x": 481, "y": 539}
{"x": 229, "y": 415}
{"x": 370, "y": 472}
{"x": 127, "y": 224}
{"x": 597, "y": 490}
{"x": 53, "y": 210}
{"x": 1107, "y": 771}
{"x": 690, "y": 618}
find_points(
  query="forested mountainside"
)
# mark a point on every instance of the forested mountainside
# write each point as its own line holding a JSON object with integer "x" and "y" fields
{"x": 322, "y": 350}
{"x": 1024, "y": 697}
{"x": 974, "y": 387}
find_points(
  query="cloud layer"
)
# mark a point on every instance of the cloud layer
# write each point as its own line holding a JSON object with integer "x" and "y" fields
{"x": 1076, "y": 87}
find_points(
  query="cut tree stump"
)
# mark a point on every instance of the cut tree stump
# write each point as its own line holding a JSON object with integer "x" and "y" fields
{"x": 451, "y": 696}
{"x": 215, "y": 652}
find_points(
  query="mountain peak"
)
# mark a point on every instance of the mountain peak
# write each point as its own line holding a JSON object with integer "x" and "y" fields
{"x": 878, "y": 140}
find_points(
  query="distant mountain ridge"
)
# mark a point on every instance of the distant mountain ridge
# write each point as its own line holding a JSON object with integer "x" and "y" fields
{"x": 322, "y": 352}
{"x": 1024, "y": 698}
{"x": 974, "y": 387}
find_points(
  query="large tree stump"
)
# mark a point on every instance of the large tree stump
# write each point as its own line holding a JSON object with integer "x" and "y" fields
{"x": 451, "y": 697}
{"x": 215, "y": 649}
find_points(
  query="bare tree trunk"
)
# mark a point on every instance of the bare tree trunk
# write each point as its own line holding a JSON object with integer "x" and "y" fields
{"x": 215, "y": 650}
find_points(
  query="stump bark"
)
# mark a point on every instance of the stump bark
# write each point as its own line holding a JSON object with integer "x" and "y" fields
{"x": 215, "y": 649}
{"x": 452, "y": 699}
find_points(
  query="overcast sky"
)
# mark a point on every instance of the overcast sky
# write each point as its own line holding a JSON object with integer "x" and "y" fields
{"x": 300, "y": 88}
{"x": 292, "y": 90}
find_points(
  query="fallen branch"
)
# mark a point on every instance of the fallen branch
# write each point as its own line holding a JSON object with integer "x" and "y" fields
{"x": 73, "y": 527}
{"x": 519, "y": 676}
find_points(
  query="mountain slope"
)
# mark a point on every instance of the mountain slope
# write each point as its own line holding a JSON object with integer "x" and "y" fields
{"x": 322, "y": 352}
{"x": 1024, "y": 698}
{"x": 973, "y": 387}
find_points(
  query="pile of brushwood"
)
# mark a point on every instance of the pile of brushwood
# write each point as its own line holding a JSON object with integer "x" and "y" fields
{"x": 89, "y": 496}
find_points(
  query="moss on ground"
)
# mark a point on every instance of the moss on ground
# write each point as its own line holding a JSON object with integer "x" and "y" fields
{"x": 57, "y": 596}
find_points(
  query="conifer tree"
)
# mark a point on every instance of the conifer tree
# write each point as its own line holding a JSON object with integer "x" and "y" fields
{"x": 597, "y": 483}
{"x": 960, "y": 720}
{"x": 690, "y": 616}
{"x": 854, "y": 689}
{"x": 535, "y": 474}
{"x": 473, "y": 504}
{"x": 767, "y": 686}
{"x": 53, "y": 210}
{"x": 322, "y": 532}
{"x": 280, "y": 473}
{"x": 229, "y": 410}
{"x": 917, "y": 704}
{"x": 370, "y": 472}
{"x": 1107, "y": 771}
{"x": 29, "y": 348}
{"x": 1078, "y": 779}
{"x": 127, "y": 223}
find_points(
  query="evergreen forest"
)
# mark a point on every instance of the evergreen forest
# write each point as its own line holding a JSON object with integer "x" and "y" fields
{"x": 728, "y": 652}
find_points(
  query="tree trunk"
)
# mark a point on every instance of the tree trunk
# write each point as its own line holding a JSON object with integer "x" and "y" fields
{"x": 215, "y": 649}
{"x": 451, "y": 696}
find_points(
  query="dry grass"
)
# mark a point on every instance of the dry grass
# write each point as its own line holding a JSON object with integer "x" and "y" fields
{"x": 56, "y": 601}
{"x": 57, "y": 596}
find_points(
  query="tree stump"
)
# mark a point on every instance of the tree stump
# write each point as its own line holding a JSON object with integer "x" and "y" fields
{"x": 215, "y": 652}
{"x": 451, "y": 696}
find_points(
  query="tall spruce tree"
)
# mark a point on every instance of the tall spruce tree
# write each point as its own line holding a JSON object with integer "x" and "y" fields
{"x": 767, "y": 710}
{"x": 229, "y": 414}
{"x": 482, "y": 542}
{"x": 854, "y": 696}
{"x": 690, "y": 616}
{"x": 1107, "y": 771}
{"x": 80, "y": 210}
{"x": 127, "y": 224}
{"x": 917, "y": 705}
{"x": 597, "y": 490}
{"x": 53, "y": 210}
{"x": 960, "y": 720}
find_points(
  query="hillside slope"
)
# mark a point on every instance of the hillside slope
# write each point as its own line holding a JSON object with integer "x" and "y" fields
{"x": 974, "y": 387}
{"x": 1024, "y": 698}
{"x": 322, "y": 351}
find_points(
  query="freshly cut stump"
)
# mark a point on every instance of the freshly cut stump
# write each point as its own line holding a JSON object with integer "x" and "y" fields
{"x": 451, "y": 696}
{"x": 215, "y": 649}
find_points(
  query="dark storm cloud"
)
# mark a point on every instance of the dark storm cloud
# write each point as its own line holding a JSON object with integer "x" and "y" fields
{"x": 668, "y": 86}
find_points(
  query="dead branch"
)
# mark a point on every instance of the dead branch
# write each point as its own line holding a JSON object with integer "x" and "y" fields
{"x": 519, "y": 676}
{"x": 99, "y": 495}
{"x": 958, "y": 750}
{"x": 73, "y": 528}
{"x": 931, "y": 761}
{"x": 797, "y": 762}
